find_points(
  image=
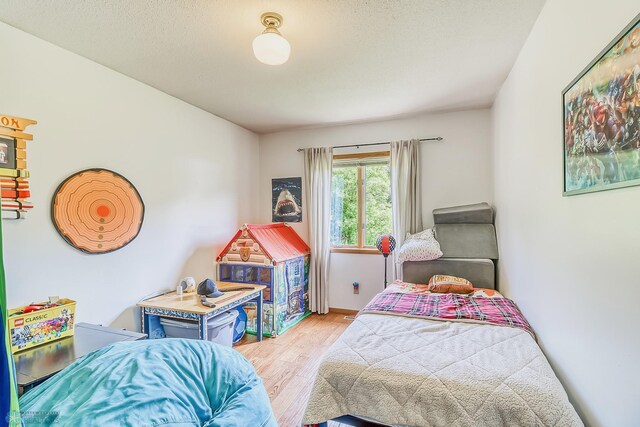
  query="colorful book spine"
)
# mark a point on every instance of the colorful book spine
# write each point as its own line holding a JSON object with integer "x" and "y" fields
{"x": 14, "y": 173}
{"x": 16, "y": 204}
{"x": 15, "y": 194}
{"x": 13, "y": 182}
{"x": 14, "y": 214}
{"x": 22, "y": 187}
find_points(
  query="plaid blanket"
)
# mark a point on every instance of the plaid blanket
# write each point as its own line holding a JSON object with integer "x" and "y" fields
{"x": 495, "y": 311}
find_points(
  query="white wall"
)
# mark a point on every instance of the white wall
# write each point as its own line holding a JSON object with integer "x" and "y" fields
{"x": 195, "y": 172}
{"x": 571, "y": 263}
{"x": 455, "y": 171}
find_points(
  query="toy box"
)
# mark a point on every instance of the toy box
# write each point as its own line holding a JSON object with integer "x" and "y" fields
{"x": 41, "y": 326}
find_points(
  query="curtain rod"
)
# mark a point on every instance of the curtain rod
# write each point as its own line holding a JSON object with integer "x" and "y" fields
{"x": 437, "y": 138}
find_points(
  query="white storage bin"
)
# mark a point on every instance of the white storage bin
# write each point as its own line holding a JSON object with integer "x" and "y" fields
{"x": 220, "y": 328}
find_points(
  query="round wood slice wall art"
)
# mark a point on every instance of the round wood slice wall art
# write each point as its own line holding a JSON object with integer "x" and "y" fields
{"x": 97, "y": 211}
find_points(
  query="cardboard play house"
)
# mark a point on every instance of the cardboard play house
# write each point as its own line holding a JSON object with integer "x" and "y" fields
{"x": 273, "y": 255}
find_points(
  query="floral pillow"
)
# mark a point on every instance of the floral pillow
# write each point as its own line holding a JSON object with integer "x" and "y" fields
{"x": 421, "y": 246}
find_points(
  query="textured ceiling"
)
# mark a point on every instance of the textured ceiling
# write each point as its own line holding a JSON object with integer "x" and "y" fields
{"x": 351, "y": 60}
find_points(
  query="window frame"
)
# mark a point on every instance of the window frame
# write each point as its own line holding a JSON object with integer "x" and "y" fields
{"x": 360, "y": 248}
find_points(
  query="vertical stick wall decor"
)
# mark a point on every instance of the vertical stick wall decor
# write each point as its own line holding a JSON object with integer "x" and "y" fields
{"x": 13, "y": 166}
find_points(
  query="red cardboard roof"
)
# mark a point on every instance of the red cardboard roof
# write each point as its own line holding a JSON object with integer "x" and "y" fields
{"x": 279, "y": 241}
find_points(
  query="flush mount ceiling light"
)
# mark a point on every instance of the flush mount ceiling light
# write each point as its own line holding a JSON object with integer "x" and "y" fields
{"x": 270, "y": 47}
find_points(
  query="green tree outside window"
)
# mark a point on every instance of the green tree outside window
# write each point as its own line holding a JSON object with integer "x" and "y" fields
{"x": 357, "y": 222}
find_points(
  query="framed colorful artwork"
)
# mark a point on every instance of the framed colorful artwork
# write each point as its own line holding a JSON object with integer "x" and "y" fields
{"x": 601, "y": 112}
{"x": 7, "y": 153}
{"x": 286, "y": 199}
{"x": 97, "y": 211}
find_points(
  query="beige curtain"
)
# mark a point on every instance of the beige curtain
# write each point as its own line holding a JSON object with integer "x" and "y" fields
{"x": 406, "y": 203}
{"x": 317, "y": 174}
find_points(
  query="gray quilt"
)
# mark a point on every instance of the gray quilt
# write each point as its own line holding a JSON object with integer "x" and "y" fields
{"x": 404, "y": 371}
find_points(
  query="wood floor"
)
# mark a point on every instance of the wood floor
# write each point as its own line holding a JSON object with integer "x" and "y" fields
{"x": 288, "y": 363}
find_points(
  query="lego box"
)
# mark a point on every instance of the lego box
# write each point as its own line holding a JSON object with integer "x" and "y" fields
{"x": 41, "y": 326}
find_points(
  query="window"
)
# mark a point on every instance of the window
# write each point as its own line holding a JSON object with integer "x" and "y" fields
{"x": 248, "y": 274}
{"x": 361, "y": 201}
{"x": 265, "y": 276}
{"x": 225, "y": 273}
{"x": 238, "y": 274}
{"x": 251, "y": 275}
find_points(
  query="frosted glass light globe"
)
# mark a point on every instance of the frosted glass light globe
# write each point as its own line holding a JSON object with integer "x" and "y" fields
{"x": 271, "y": 48}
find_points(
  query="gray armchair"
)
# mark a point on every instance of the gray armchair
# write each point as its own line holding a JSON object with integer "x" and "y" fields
{"x": 468, "y": 242}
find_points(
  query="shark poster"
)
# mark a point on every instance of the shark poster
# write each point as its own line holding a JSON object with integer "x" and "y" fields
{"x": 286, "y": 199}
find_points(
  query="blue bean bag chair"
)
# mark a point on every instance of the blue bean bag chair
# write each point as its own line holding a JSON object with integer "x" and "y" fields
{"x": 167, "y": 382}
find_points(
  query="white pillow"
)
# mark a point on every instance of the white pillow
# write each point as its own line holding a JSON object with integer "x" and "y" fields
{"x": 423, "y": 235}
{"x": 421, "y": 246}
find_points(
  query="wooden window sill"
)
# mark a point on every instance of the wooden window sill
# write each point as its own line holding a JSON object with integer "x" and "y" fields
{"x": 366, "y": 251}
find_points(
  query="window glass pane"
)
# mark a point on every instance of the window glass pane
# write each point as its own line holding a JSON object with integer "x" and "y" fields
{"x": 265, "y": 275}
{"x": 251, "y": 274}
{"x": 344, "y": 206}
{"x": 377, "y": 202}
{"x": 237, "y": 274}
{"x": 225, "y": 272}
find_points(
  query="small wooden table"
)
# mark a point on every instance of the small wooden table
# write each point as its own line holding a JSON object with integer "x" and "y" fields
{"x": 34, "y": 365}
{"x": 188, "y": 307}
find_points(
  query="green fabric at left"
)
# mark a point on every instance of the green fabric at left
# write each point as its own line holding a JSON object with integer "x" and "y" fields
{"x": 13, "y": 418}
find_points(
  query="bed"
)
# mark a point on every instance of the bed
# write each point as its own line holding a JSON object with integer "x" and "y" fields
{"x": 168, "y": 382}
{"x": 405, "y": 369}
{"x": 415, "y": 358}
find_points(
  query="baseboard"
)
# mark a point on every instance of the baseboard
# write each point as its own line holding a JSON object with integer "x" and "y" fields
{"x": 345, "y": 311}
